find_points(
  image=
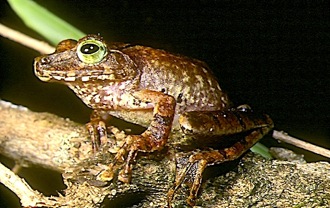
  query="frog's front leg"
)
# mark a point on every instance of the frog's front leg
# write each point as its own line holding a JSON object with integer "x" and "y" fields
{"x": 97, "y": 130}
{"x": 246, "y": 127}
{"x": 152, "y": 139}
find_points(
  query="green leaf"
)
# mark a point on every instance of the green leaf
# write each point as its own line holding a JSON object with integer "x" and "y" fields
{"x": 261, "y": 150}
{"x": 53, "y": 28}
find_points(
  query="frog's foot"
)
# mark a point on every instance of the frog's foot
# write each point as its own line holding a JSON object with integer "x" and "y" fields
{"x": 98, "y": 133}
{"x": 125, "y": 174}
{"x": 124, "y": 159}
{"x": 191, "y": 171}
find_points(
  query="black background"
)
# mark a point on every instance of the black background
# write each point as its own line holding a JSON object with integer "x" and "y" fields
{"x": 273, "y": 55}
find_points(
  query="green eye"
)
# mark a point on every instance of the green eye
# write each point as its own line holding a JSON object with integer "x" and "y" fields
{"x": 91, "y": 51}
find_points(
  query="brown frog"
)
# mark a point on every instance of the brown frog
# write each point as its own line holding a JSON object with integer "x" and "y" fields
{"x": 166, "y": 93}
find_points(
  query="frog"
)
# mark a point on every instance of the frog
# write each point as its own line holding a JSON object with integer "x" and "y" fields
{"x": 177, "y": 99}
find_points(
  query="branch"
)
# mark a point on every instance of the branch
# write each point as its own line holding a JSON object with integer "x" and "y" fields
{"x": 42, "y": 47}
{"x": 28, "y": 196}
{"x": 59, "y": 144}
{"x": 44, "y": 139}
{"x": 52, "y": 142}
{"x": 284, "y": 137}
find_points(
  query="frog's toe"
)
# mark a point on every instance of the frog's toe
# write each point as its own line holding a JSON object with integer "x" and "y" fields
{"x": 102, "y": 133}
{"x": 106, "y": 175}
{"x": 125, "y": 176}
{"x": 191, "y": 200}
{"x": 98, "y": 133}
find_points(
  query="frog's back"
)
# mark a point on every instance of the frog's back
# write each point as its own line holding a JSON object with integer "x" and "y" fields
{"x": 188, "y": 80}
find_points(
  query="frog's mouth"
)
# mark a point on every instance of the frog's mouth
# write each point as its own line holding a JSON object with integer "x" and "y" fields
{"x": 71, "y": 76}
{"x": 47, "y": 73}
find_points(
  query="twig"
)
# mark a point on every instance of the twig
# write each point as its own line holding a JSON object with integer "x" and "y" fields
{"x": 284, "y": 137}
{"x": 27, "y": 195}
{"x": 25, "y": 40}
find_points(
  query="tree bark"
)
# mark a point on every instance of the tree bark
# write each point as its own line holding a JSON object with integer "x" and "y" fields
{"x": 59, "y": 144}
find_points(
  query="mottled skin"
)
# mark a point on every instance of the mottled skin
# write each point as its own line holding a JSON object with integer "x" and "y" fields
{"x": 158, "y": 90}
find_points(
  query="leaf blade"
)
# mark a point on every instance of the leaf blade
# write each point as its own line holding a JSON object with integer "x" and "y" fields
{"x": 53, "y": 28}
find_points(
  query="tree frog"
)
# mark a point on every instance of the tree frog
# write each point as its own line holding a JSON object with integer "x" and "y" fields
{"x": 176, "y": 98}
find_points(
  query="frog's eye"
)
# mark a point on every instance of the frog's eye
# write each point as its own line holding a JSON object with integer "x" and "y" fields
{"x": 91, "y": 51}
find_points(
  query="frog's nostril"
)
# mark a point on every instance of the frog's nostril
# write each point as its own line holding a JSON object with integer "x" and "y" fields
{"x": 45, "y": 60}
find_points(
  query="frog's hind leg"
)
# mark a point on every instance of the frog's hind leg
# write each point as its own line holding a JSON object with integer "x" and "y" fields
{"x": 205, "y": 158}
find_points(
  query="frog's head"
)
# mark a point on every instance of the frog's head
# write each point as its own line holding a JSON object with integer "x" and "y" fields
{"x": 86, "y": 60}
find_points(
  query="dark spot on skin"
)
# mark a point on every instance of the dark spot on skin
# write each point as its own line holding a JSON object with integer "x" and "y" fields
{"x": 77, "y": 144}
{"x": 187, "y": 131}
{"x": 181, "y": 161}
{"x": 239, "y": 147}
{"x": 244, "y": 142}
{"x": 215, "y": 118}
{"x": 232, "y": 109}
{"x": 136, "y": 102}
{"x": 157, "y": 135}
{"x": 223, "y": 153}
{"x": 163, "y": 90}
{"x": 240, "y": 119}
{"x": 179, "y": 98}
{"x": 163, "y": 120}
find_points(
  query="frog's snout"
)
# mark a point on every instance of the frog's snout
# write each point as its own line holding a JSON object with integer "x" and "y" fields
{"x": 38, "y": 68}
